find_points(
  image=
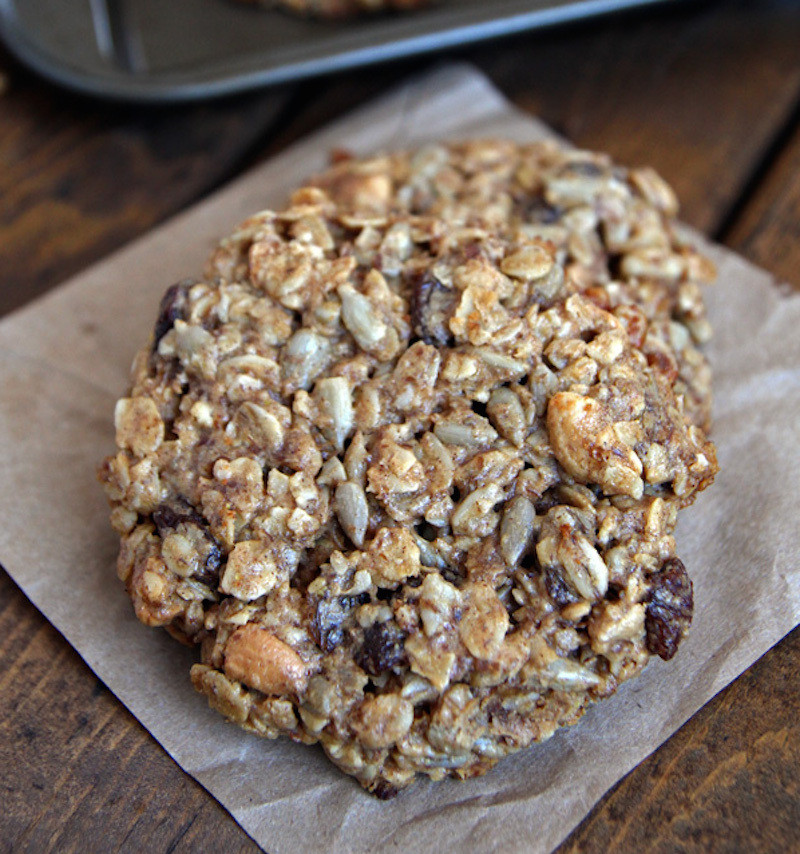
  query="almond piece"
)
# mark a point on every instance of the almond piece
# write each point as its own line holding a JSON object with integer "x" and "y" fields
{"x": 261, "y": 661}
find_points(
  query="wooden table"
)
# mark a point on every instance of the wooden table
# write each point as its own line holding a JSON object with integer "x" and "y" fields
{"x": 707, "y": 92}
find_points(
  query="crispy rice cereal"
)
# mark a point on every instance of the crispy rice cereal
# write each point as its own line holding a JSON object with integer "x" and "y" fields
{"x": 407, "y": 466}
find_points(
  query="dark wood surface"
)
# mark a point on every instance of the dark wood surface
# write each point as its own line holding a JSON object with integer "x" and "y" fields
{"x": 707, "y": 92}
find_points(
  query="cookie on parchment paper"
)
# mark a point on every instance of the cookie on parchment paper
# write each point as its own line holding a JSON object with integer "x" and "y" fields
{"x": 409, "y": 480}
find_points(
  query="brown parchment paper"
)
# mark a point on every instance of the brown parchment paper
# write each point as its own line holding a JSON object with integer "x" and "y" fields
{"x": 65, "y": 359}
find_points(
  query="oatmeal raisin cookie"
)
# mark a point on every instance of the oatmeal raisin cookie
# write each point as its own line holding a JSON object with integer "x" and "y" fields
{"x": 405, "y": 464}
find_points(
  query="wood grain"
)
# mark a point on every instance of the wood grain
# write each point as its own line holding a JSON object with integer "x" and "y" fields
{"x": 77, "y": 772}
{"x": 767, "y": 228}
{"x": 726, "y": 781}
{"x": 706, "y": 92}
{"x": 81, "y": 179}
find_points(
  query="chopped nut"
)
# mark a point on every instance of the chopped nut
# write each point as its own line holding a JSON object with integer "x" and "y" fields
{"x": 392, "y": 557}
{"x": 258, "y": 659}
{"x": 484, "y": 623}
{"x": 474, "y": 516}
{"x": 255, "y": 567}
{"x": 227, "y": 697}
{"x": 591, "y": 447}
{"x": 383, "y": 720}
{"x": 139, "y": 426}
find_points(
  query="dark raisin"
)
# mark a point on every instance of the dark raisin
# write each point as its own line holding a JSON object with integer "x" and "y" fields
{"x": 584, "y": 168}
{"x": 352, "y": 601}
{"x": 382, "y": 648}
{"x": 558, "y": 589}
{"x": 209, "y": 573}
{"x": 330, "y": 615}
{"x": 384, "y": 790}
{"x": 451, "y": 575}
{"x": 537, "y": 210}
{"x": 471, "y": 251}
{"x": 669, "y": 609}
{"x": 431, "y": 307}
{"x": 166, "y": 518}
{"x": 169, "y": 519}
{"x": 173, "y": 307}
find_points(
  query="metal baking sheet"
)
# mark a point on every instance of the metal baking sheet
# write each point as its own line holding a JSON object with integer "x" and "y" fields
{"x": 167, "y": 50}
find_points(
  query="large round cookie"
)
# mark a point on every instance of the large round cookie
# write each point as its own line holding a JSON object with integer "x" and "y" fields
{"x": 411, "y": 486}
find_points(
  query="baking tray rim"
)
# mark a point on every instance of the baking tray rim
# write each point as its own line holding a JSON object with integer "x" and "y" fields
{"x": 220, "y": 78}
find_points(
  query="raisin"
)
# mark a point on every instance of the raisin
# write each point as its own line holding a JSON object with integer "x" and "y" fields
{"x": 537, "y": 210}
{"x": 168, "y": 519}
{"x": 431, "y": 307}
{"x": 558, "y": 589}
{"x": 209, "y": 574}
{"x": 352, "y": 601}
{"x": 382, "y": 648}
{"x": 669, "y": 609}
{"x": 384, "y": 790}
{"x": 172, "y": 308}
{"x": 329, "y": 617}
{"x": 452, "y": 576}
{"x": 472, "y": 251}
{"x": 583, "y": 169}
